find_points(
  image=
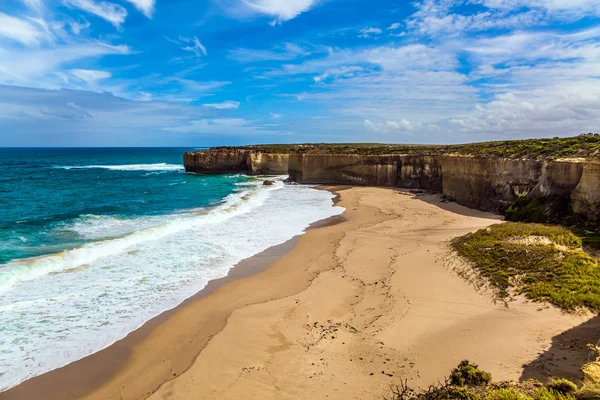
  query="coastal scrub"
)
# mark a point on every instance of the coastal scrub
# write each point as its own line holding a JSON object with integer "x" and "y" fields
{"x": 532, "y": 389}
{"x": 543, "y": 262}
{"x": 586, "y": 145}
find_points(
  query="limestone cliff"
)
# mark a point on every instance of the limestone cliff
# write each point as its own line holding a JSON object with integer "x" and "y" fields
{"x": 235, "y": 161}
{"x": 486, "y": 183}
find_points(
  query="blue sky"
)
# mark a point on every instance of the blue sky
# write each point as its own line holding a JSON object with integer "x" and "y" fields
{"x": 210, "y": 72}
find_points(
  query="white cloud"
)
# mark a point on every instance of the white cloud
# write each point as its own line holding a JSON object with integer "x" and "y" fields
{"x": 42, "y": 68}
{"x": 275, "y": 116}
{"x": 563, "y": 9}
{"x": 77, "y": 27}
{"x": 341, "y": 72}
{"x": 113, "y": 13}
{"x": 222, "y": 126}
{"x": 555, "y": 110}
{"x": 35, "y": 5}
{"x": 288, "y": 51}
{"x": 145, "y": 6}
{"x": 282, "y": 10}
{"x": 393, "y": 126}
{"x": 441, "y": 17}
{"x": 394, "y": 26}
{"x": 90, "y": 76}
{"x": 192, "y": 45}
{"x": 226, "y": 105}
{"x": 368, "y": 32}
{"x": 27, "y": 32}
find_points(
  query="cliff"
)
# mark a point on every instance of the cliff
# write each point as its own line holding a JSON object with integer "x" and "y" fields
{"x": 537, "y": 188}
{"x": 220, "y": 161}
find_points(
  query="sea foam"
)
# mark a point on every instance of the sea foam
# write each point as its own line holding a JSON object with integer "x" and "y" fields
{"x": 60, "y": 308}
{"x": 129, "y": 167}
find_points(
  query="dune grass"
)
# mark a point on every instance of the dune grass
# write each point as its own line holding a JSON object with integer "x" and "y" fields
{"x": 545, "y": 263}
{"x": 472, "y": 387}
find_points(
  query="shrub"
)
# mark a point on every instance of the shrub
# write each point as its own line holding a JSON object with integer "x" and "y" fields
{"x": 558, "y": 272}
{"x": 563, "y": 386}
{"x": 467, "y": 374}
{"x": 550, "y": 394}
{"x": 461, "y": 393}
{"x": 507, "y": 394}
{"x": 588, "y": 392}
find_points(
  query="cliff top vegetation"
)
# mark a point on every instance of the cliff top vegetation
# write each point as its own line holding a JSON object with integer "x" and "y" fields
{"x": 583, "y": 146}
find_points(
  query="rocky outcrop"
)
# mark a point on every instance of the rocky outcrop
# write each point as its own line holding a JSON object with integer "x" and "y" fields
{"x": 235, "y": 161}
{"x": 267, "y": 164}
{"x": 485, "y": 183}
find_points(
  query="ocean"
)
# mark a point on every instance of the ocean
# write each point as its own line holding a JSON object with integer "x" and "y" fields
{"x": 96, "y": 242}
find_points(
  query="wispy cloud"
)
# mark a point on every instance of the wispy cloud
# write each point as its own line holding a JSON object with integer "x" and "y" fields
{"x": 223, "y": 126}
{"x": 43, "y": 68}
{"x": 113, "y": 13}
{"x": 144, "y": 6}
{"x": 281, "y": 10}
{"x": 369, "y": 32}
{"x": 35, "y": 5}
{"x": 191, "y": 45}
{"x": 90, "y": 76}
{"x": 27, "y": 32}
{"x": 226, "y": 105}
{"x": 77, "y": 27}
{"x": 288, "y": 51}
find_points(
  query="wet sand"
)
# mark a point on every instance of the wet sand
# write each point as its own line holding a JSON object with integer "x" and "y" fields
{"x": 341, "y": 312}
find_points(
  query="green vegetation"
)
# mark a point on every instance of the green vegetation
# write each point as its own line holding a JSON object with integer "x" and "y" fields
{"x": 537, "y": 209}
{"x": 470, "y": 375}
{"x": 507, "y": 394}
{"x": 532, "y": 389}
{"x": 561, "y": 385}
{"x": 585, "y": 145}
{"x": 543, "y": 262}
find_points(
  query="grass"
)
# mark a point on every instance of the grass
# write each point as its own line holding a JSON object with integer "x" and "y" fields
{"x": 557, "y": 389}
{"x": 585, "y": 145}
{"x": 545, "y": 263}
{"x": 538, "y": 209}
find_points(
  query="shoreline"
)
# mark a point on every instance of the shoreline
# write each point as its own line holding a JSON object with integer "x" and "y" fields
{"x": 343, "y": 311}
{"x": 100, "y": 366}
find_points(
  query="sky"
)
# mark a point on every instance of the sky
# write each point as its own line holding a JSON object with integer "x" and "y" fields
{"x": 231, "y": 72}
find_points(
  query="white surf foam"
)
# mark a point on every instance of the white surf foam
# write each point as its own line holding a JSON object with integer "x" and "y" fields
{"x": 60, "y": 308}
{"x": 129, "y": 167}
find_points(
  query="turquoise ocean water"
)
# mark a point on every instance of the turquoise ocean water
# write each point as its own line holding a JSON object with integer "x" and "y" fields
{"x": 95, "y": 242}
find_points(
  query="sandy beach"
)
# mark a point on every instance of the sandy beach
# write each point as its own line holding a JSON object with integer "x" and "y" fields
{"x": 342, "y": 312}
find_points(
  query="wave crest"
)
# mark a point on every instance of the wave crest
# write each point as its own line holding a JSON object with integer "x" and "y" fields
{"x": 129, "y": 167}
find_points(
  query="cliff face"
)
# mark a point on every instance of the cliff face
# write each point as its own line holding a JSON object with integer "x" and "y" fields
{"x": 344, "y": 169}
{"x": 422, "y": 172}
{"x": 267, "y": 164}
{"x": 585, "y": 199}
{"x": 491, "y": 184}
{"x": 494, "y": 184}
{"x": 487, "y": 184}
{"x": 235, "y": 161}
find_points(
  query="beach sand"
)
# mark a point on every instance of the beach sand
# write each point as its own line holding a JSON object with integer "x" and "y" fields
{"x": 353, "y": 307}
